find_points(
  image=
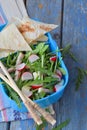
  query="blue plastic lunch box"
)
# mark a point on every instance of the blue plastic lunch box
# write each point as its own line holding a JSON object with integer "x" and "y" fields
{"x": 3, "y": 19}
{"x": 44, "y": 102}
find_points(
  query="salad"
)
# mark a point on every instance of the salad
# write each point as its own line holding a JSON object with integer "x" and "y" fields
{"x": 37, "y": 73}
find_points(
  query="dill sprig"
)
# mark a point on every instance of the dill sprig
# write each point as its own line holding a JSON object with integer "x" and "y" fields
{"x": 80, "y": 77}
{"x": 67, "y": 51}
{"x": 81, "y": 73}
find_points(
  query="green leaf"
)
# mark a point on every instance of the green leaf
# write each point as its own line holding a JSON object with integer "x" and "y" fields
{"x": 80, "y": 77}
{"x": 43, "y": 125}
{"x": 62, "y": 70}
{"x": 42, "y": 94}
{"x": 13, "y": 95}
{"x": 66, "y": 50}
{"x": 73, "y": 56}
{"x": 62, "y": 125}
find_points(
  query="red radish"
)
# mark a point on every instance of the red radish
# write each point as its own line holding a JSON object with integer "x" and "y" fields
{"x": 33, "y": 58}
{"x": 36, "y": 86}
{"x": 26, "y": 91}
{"x": 26, "y": 76}
{"x": 58, "y": 72}
{"x": 20, "y": 67}
{"x": 53, "y": 58}
{"x": 56, "y": 76}
{"x": 58, "y": 86}
{"x": 44, "y": 90}
{"x": 36, "y": 75}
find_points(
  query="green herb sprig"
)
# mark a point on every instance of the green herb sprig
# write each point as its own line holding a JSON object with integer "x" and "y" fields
{"x": 80, "y": 77}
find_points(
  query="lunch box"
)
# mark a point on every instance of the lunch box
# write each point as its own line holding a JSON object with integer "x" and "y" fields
{"x": 3, "y": 19}
{"x": 50, "y": 99}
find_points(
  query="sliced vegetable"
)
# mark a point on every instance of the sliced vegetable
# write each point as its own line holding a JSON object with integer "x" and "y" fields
{"x": 36, "y": 86}
{"x": 26, "y": 76}
{"x": 20, "y": 67}
{"x": 56, "y": 76}
{"x": 19, "y": 60}
{"x": 33, "y": 58}
{"x": 44, "y": 90}
{"x": 53, "y": 58}
{"x": 36, "y": 75}
{"x": 26, "y": 91}
{"x": 58, "y": 86}
{"x": 58, "y": 72}
{"x": 12, "y": 69}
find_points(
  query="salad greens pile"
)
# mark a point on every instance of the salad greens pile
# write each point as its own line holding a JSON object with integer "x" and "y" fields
{"x": 41, "y": 72}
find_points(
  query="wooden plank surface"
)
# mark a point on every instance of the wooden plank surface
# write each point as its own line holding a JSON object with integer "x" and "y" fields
{"x": 9, "y": 7}
{"x": 46, "y": 11}
{"x": 4, "y": 126}
{"x": 73, "y": 105}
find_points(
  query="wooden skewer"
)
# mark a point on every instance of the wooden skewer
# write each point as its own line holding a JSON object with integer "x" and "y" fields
{"x": 13, "y": 85}
{"x": 45, "y": 114}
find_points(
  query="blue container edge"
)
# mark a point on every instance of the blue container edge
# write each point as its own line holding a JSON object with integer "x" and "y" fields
{"x": 49, "y": 99}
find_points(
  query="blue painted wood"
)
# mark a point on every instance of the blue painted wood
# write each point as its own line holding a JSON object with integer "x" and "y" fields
{"x": 46, "y": 11}
{"x": 73, "y": 105}
{"x": 25, "y": 125}
{"x": 4, "y": 126}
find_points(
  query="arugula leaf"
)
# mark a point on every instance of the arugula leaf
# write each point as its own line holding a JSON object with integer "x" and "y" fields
{"x": 43, "y": 125}
{"x": 62, "y": 70}
{"x": 13, "y": 95}
{"x": 40, "y": 48}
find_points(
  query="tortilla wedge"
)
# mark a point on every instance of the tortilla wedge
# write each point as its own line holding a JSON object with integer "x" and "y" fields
{"x": 32, "y": 30}
{"x": 5, "y": 53}
{"x": 11, "y": 39}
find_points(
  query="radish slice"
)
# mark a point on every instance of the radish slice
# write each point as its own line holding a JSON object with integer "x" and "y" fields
{"x": 53, "y": 58}
{"x": 26, "y": 91}
{"x": 36, "y": 86}
{"x": 56, "y": 76}
{"x": 58, "y": 72}
{"x": 58, "y": 86}
{"x": 26, "y": 76}
{"x": 43, "y": 90}
{"x": 36, "y": 75}
{"x": 20, "y": 67}
{"x": 33, "y": 58}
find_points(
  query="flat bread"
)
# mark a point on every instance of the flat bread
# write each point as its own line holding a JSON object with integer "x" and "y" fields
{"x": 11, "y": 39}
{"x": 32, "y": 30}
{"x": 5, "y": 53}
{"x": 42, "y": 39}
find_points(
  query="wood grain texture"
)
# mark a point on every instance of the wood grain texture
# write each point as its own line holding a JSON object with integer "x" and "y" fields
{"x": 9, "y": 7}
{"x": 46, "y": 11}
{"x": 73, "y": 105}
{"x": 25, "y": 125}
{"x": 21, "y": 7}
{"x": 4, "y": 126}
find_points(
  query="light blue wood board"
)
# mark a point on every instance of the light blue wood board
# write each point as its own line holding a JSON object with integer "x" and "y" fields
{"x": 73, "y": 105}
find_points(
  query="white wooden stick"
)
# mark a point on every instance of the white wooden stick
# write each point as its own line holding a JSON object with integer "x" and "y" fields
{"x": 13, "y": 85}
{"x": 26, "y": 100}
